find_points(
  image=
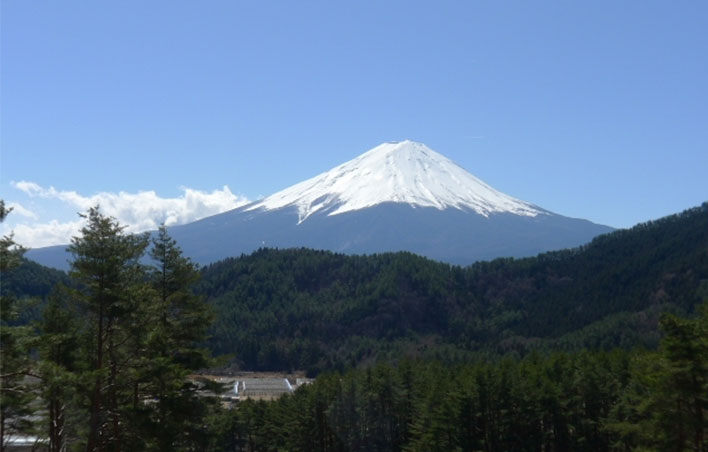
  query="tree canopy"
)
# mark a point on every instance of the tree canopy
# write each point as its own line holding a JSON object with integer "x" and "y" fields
{"x": 300, "y": 308}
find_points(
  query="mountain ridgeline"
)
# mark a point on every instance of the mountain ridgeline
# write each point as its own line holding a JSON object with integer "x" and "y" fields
{"x": 398, "y": 196}
{"x": 300, "y": 308}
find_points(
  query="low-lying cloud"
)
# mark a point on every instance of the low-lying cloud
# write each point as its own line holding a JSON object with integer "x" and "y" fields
{"x": 140, "y": 211}
{"x": 37, "y": 235}
{"x": 19, "y": 209}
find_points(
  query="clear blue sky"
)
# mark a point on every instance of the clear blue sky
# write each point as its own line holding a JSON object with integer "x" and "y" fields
{"x": 593, "y": 109}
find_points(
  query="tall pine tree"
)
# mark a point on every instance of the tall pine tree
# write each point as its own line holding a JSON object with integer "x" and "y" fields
{"x": 59, "y": 366}
{"x": 15, "y": 364}
{"x": 174, "y": 350}
{"x": 112, "y": 297}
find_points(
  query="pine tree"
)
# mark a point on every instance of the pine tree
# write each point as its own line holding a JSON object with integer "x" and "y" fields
{"x": 682, "y": 392}
{"x": 184, "y": 316}
{"x": 15, "y": 392}
{"x": 58, "y": 346}
{"x": 180, "y": 322}
{"x": 112, "y": 298}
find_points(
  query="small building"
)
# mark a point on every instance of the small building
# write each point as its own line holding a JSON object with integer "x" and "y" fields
{"x": 262, "y": 388}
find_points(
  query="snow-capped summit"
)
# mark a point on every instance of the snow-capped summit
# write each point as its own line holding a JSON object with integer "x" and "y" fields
{"x": 400, "y": 172}
{"x": 397, "y": 196}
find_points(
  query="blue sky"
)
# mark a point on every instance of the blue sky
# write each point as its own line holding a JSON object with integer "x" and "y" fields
{"x": 171, "y": 110}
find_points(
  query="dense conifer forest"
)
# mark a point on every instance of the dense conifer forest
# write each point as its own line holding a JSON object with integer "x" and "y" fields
{"x": 317, "y": 310}
{"x": 584, "y": 401}
{"x": 604, "y": 347}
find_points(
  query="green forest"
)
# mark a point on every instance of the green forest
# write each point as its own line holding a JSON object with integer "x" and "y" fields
{"x": 585, "y": 401}
{"x": 317, "y": 310}
{"x": 602, "y": 347}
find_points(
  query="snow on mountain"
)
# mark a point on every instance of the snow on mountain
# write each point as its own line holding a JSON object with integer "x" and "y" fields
{"x": 401, "y": 172}
{"x": 395, "y": 197}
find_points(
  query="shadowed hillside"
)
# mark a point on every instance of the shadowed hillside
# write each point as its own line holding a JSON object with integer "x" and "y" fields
{"x": 300, "y": 308}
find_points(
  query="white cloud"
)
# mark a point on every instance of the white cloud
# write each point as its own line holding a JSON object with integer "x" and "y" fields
{"x": 140, "y": 211}
{"x": 19, "y": 209}
{"x": 38, "y": 235}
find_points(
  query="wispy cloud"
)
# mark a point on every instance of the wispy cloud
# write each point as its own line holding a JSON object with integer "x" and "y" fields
{"x": 140, "y": 211}
{"x": 19, "y": 209}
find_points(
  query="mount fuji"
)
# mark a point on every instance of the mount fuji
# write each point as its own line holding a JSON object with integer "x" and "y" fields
{"x": 396, "y": 196}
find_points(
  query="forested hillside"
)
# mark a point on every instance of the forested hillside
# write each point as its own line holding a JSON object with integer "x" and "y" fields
{"x": 32, "y": 283}
{"x": 109, "y": 355}
{"x": 299, "y": 308}
{"x": 585, "y": 401}
{"x": 316, "y": 310}
{"x": 31, "y": 279}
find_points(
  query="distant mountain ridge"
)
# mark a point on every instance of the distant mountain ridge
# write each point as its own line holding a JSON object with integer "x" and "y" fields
{"x": 398, "y": 196}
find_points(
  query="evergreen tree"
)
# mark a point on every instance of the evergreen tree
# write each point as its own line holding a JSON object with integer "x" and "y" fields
{"x": 15, "y": 364}
{"x": 681, "y": 397}
{"x": 59, "y": 361}
{"x": 179, "y": 326}
{"x": 112, "y": 298}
